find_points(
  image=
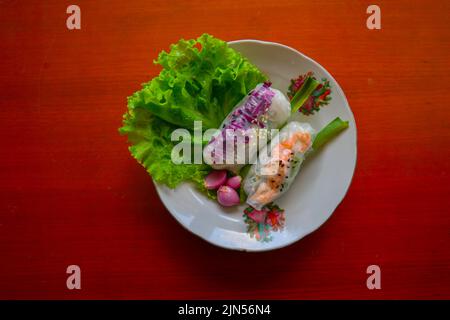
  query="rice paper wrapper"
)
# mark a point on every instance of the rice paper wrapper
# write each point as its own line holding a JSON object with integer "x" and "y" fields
{"x": 237, "y": 141}
{"x": 278, "y": 164}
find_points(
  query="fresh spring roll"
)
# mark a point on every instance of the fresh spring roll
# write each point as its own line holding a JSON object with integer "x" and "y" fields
{"x": 278, "y": 164}
{"x": 263, "y": 108}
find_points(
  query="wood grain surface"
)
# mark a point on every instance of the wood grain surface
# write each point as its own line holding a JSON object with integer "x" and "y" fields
{"x": 70, "y": 193}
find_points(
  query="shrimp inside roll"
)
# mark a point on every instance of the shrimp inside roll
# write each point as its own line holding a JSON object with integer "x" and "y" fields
{"x": 278, "y": 164}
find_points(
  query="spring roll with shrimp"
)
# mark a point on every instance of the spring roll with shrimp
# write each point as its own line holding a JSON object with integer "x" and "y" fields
{"x": 278, "y": 164}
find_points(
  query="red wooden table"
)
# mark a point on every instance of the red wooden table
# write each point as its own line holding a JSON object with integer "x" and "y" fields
{"x": 71, "y": 194}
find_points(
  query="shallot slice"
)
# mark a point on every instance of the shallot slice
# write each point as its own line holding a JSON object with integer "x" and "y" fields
{"x": 215, "y": 179}
{"x": 234, "y": 182}
{"x": 227, "y": 196}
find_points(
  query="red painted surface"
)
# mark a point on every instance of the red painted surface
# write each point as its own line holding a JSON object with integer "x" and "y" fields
{"x": 71, "y": 194}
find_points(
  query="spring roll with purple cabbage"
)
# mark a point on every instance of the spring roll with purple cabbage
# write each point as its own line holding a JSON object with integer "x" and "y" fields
{"x": 263, "y": 108}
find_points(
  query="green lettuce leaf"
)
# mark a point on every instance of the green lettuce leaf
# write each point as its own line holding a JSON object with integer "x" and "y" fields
{"x": 201, "y": 80}
{"x": 152, "y": 147}
{"x": 195, "y": 85}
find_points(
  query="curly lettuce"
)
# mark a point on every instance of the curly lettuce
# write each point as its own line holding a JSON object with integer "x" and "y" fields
{"x": 152, "y": 147}
{"x": 201, "y": 80}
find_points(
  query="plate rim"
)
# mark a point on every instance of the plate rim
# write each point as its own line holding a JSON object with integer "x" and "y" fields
{"x": 295, "y": 239}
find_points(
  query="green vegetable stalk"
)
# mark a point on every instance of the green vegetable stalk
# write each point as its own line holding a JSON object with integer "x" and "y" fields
{"x": 330, "y": 131}
{"x": 303, "y": 94}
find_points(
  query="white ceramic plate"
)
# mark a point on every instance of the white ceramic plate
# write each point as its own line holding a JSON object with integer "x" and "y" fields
{"x": 319, "y": 187}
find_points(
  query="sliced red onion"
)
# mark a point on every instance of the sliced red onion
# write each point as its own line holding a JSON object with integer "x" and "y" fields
{"x": 227, "y": 196}
{"x": 234, "y": 182}
{"x": 215, "y": 179}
